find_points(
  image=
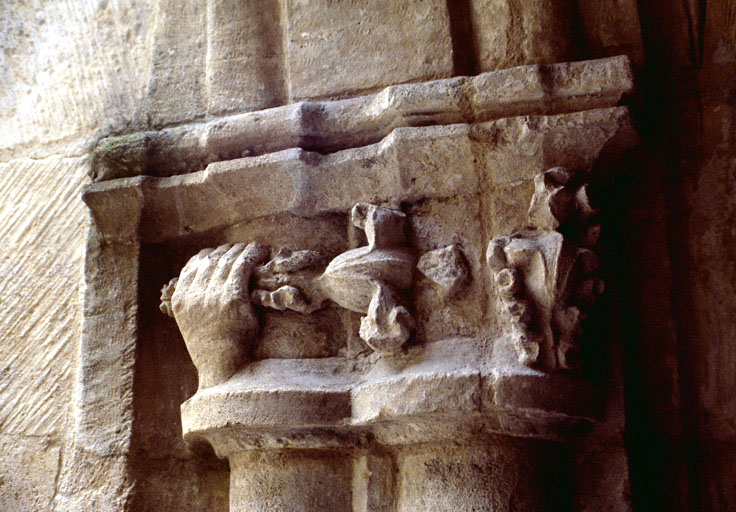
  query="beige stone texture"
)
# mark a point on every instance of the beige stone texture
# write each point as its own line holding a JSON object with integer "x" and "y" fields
{"x": 71, "y": 73}
{"x": 176, "y": 90}
{"x": 409, "y": 164}
{"x": 75, "y": 73}
{"x": 510, "y": 33}
{"x": 89, "y": 411}
{"x": 308, "y": 481}
{"x": 333, "y": 125}
{"x": 30, "y": 467}
{"x": 611, "y": 27}
{"x": 40, "y": 326}
{"x": 484, "y": 477}
{"x": 245, "y": 56}
{"x": 361, "y": 45}
{"x": 299, "y": 417}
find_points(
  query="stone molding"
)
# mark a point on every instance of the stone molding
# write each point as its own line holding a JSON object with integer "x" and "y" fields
{"x": 328, "y": 126}
{"x": 446, "y": 390}
{"x": 157, "y": 209}
{"x": 460, "y": 186}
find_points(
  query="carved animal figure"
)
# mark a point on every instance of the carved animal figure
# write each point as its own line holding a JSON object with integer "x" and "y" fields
{"x": 365, "y": 280}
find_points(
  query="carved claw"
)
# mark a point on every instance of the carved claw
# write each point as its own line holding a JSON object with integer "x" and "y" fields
{"x": 211, "y": 305}
{"x": 213, "y": 308}
{"x": 387, "y": 325}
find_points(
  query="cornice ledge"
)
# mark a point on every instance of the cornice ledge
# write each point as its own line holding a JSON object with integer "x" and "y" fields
{"x": 328, "y": 126}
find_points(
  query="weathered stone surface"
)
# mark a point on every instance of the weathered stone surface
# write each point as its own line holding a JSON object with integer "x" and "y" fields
{"x": 282, "y": 482}
{"x": 75, "y": 72}
{"x": 90, "y": 481}
{"x": 198, "y": 484}
{"x": 435, "y": 222}
{"x": 507, "y": 476}
{"x": 288, "y": 334}
{"x": 373, "y": 483}
{"x": 353, "y": 46}
{"x": 611, "y": 27}
{"x": 176, "y": 79}
{"x": 103, "y": 413}
{"x": 429, "y": 162}
{"x": 331, "y": 126}
{"x": 210, "y": 299}
{"x": 446, "y": 268}
{"x": 369, "y": 279}
{"x": 545, "y": 281}
{"x": 28, "y": 473}
{"x": 393, "y": 397}
{"x": 599, "y": 462}
{"x": 71, "y": 74}
{"x": 338, "y": 402}
{"x": 40, "y": 317}
{"x": 245, "y": 61}
{"x": 687, "y": 394}
{"x": 510, "y": 33}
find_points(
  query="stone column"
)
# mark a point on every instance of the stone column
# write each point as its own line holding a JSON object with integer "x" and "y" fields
{"x": 504, "y": 475}
{"x": 290, "y": 481}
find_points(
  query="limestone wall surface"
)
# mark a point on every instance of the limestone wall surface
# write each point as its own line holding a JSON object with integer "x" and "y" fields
{"x": 75, "y": 72}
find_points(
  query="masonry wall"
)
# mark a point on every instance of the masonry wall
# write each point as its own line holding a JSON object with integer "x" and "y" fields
{"x": 72, "y": 73}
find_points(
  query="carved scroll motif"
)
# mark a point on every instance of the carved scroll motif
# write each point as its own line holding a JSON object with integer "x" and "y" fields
{"x": 547, "y": 276}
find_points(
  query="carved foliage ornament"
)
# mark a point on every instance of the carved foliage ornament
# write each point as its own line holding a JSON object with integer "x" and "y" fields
{"x": 212, "y": 304}
{"x": 546, "y": 276}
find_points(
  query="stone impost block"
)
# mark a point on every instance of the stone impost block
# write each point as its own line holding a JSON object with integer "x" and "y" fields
{"x": 327, "y": 126}
{"x": 408, "y": 165}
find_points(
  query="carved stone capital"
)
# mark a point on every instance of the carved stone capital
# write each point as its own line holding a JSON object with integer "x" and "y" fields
{"x": 545, "y": 282}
